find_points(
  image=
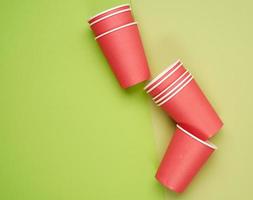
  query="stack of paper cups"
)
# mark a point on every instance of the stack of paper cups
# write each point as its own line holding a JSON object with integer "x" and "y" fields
{"x": 179, "y": 95}
{"x": 118, "y": 36}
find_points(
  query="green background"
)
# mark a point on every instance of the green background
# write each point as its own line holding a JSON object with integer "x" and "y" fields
{"x": 68, "y": 131}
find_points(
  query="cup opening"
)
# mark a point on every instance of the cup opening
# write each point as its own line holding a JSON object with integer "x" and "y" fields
{"x": 207, "y": 143}
{"x": 105, "y": 11}
{"x": 115, "y": 29}
{"x": 161, "y": 74}
{"x": 110, "y": 15}
{"x": 175, "y": 89}
{"x": 176, "y": 92}
{"x": 169, "y": 86}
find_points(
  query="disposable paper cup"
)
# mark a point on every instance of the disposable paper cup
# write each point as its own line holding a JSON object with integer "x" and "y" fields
{"x": 111, "y": 21}
{"x": 167, "y": 77}
{"x": 188, "y": 106}
{"x": 124, "y": 51}
{"x": 185, "y": 156}
{"x": 108, "y": 12}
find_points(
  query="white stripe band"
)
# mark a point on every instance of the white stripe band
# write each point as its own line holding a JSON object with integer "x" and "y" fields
{"x": 107, "y": 16}
{"x": 175, "y": 93}
{"x": 161, "y": 74}
{"x": 207, "y": 143}
{"x": 168, "y": 75}
{"x": 115, "y": 29}
{"x": 169, "y": 86}
{"x": 174, "y": 89}
{"x": 107, "y": 11}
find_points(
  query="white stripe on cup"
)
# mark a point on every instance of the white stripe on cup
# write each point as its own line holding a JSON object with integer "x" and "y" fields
{"x": 169, "y": 86}
{"x": 115, "y": 29}
{"x": 207, "y": 143}
{"x": 175, "y": 93}
{"x": 174, "y": 89}
{"x": 108, "y": 11}
{"x": 107, "y": 16}
{"x": 162, "y": 73}
{"x": 168, "y": 75}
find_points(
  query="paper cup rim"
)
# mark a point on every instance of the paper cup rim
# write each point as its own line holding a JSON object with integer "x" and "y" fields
{"x": 110, "y": 15}
{"x": 162, "y": 73}
{"x": 164, "y": 78}
{"x": 156, "y": 99}
{"x": 177, "y": 87}
{"x": 206, "y": 143}
{"x": 107, "y": 10}
{"x": 177, "y": 91}
{"x": 115, "y": 29}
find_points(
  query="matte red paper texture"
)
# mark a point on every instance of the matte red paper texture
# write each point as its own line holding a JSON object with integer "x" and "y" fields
{"x": 108, "y": 12}
{"x": 125, "y": 53}
{"x": 185, "y": 156}
{"x": 111, "y": 21}
{"x": 166, "y": 78}
{"x": 189, "y": 107}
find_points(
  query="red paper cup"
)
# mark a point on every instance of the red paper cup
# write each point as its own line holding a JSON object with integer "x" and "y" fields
{"x": 111, "y": 21}
{"x": 108, "y": 12}
{"x": 185, "y": 156}
{"x": 167, "y": 77}
{"x": 188, "y": 106}
{"x": 124, "y": 51}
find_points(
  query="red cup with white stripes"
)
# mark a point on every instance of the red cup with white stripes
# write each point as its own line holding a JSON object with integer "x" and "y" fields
{"x": 108, "y": 12}
{"x": 118, "y": 37}
{"x": 186, "y": 104}
{"x": 118, "y": 16}
{"x": 183, "y": 159}
{"x": 165, "y": 78}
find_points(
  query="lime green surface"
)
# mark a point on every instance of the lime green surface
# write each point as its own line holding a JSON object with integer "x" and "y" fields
{"x": 67, "y": 130}
{"x": 214, "y": 40}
